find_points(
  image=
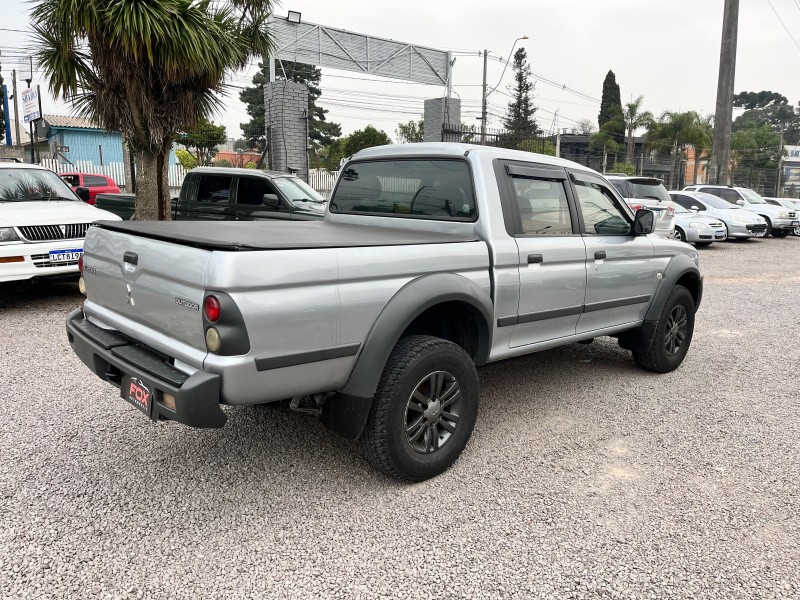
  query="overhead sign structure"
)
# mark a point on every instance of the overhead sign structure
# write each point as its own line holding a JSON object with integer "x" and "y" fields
{"x": 30, "y": 105}
{"x": 339, "y": 49}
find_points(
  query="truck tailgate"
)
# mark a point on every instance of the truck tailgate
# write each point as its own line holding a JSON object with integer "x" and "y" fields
{"x": 152, "y": 282}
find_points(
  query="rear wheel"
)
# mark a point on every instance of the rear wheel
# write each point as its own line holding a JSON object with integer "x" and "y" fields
{"x": 673, "y": 333}
{"x": 424, "y": 409}
{"x": 781, "y": 233}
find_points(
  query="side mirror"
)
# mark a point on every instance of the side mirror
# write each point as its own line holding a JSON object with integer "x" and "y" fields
{"x": 644, "y": 222}
{"x": 83, "y": 193}
{"x": 695, "y": 208}
{"x": 740, "y": 202}
{"x": 271, "y": 200}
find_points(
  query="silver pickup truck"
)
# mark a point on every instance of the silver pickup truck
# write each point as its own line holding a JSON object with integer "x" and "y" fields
{"x": 432, "y": 260}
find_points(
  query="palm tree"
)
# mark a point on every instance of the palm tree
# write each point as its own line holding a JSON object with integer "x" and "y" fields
{"x": 634, "y": 120}
{"x": 674, "y": 131}
{"x": 147, "y": 68}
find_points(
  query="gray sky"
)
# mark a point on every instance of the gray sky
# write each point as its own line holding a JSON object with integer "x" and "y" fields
{"x": 667, "y": 51}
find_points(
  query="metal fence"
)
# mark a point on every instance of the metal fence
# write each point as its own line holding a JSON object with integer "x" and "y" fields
{"x": 498, "y": 138}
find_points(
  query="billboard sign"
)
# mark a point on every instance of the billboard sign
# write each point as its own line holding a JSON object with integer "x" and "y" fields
{"x": 792, "y": 154}
{"x": 30, "y": 105}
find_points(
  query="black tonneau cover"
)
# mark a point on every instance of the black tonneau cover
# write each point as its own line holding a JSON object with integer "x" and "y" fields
{"x": 279, "y": 235}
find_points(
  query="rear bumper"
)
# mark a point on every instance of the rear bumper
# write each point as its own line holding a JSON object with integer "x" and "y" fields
{"x": 113, "y": 358}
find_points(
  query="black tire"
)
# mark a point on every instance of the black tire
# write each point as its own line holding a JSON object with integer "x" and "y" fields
{"x": 797, "y": 231}
{"x": 702, "y": 244}
{"x": 769, "y": 226}
{"x": 781, "y": 233}
{"x": 663, "y": 356}
{"x": 680, "y": 235}
{"x": 418, "y": 365}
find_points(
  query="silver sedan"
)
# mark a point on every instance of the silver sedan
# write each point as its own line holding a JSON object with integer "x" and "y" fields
{"x": 698, "y": 229}
{"x": 741, "y": 224}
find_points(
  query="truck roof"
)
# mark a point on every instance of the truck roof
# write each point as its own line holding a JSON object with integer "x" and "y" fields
{"x": 452, "y": 149}
{"x": 240, "y": 171}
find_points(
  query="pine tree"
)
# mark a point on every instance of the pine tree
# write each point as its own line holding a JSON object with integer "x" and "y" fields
{"x": 611, "y": 118}
{"x": 320, "y": 131}
{"x": 519, "y": 120}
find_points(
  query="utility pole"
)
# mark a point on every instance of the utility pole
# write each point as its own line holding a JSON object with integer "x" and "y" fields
{"x": 16, "y": 107}
{"x": 778, "y": 190}
{"x": 723, "y": 116}
{"x": 483, "y": 102}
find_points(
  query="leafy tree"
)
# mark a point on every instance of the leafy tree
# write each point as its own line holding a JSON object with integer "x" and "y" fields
{"x": 321, "y": 132}
{"x": 204, "y": 137}
{"x": 519, "y": 119}
{"x": 768, "y": 108}
{"x": 408, "y": 133}
{"x": 223, "y": 163}
{"x": 756, "y": 147}
{"x": 242, "y": 144}
{"x": 148, "y": 69}
{"x": 365, "y": 138}
{"x": 186, "y": 159}
{"x": 627, "y": 168}
{"x": 635, "y": 118}
{"x": 611, "y": 118}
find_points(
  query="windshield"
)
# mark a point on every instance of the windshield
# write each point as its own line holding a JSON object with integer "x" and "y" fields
{"x": 297, "y": 190}
{"x": 25, "y": 185}
{"x": 654, "y": 191}
{"x": 752, "y": 197}
{"x": 714, "y": 201}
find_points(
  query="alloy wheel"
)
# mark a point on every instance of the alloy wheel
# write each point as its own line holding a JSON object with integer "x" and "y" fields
{"x": 675, "y": 330}
{"x": 432, "y": 412}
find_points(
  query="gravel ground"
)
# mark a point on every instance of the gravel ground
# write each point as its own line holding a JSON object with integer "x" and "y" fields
{"x": 585, "y": 476}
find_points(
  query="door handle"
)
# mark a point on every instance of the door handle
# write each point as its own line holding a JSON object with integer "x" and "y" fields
{"x": 599, "y": 254}
{"x": 535, "y": 258}
{"x": 131, "y": 258}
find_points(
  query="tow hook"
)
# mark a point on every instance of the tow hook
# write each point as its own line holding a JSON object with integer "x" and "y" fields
{"x": 310, "y": 405}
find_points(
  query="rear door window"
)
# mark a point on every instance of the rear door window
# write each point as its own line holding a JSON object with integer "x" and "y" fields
{"x": 94, "y": 181}
{"x": 214, "y": 189}
{"x": 437, "y": 189}
{"x": 543, "y": 206}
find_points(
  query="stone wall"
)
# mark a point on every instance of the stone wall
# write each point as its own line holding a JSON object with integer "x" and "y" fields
{"x": 286, "y": 104}
{"x": 439, "y": 111}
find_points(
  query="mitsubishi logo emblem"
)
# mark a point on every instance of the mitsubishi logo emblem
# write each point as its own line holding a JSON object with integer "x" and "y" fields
{"x": 63, "y": 229}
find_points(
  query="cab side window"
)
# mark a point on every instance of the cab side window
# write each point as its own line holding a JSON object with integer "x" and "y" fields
{"x": 601, "y": 213}
{"x": 73, "y": 180}
{"x": 543, "y": 207}
{"x": 214, "y": 189}
{"x": 251, "y": 191}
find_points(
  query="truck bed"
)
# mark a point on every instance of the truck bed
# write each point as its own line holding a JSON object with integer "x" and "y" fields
{"x": 282, "y": 235}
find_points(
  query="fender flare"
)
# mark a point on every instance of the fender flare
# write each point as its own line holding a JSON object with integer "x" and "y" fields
{"x": 346, "y": 412}
{"x": 680, "y": 266}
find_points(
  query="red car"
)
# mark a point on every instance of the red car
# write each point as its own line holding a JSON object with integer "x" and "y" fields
{"x": 97, "y": 184}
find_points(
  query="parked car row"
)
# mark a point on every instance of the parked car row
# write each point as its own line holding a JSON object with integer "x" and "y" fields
{"x": 779, "y": 220}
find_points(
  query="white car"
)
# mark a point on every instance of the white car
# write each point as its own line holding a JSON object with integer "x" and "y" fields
{"x": 741, "y": 224}
{"x": 789, "y": 203}
{"x": 42, "y": 224}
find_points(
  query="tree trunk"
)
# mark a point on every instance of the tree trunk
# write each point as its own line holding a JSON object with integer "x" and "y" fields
{"x": 152, "y": 189}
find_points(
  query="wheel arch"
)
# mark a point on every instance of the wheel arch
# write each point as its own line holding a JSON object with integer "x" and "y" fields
{"x": 410, "y": 311}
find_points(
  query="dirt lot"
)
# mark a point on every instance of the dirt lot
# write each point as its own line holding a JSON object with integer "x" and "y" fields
{"x": 585, "y": 476}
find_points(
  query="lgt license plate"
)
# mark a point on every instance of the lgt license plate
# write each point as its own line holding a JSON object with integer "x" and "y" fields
{"x": 138, "y": 393}
{"x": 61, "y": 256}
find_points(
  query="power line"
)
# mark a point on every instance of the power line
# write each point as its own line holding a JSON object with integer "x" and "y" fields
{"x": 784, "y": 24}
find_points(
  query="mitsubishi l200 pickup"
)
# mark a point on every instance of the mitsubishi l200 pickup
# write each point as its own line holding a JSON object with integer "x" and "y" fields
{"x": 432, "y": 260}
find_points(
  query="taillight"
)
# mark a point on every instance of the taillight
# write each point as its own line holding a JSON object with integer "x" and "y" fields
{"x": 671, "y": 210}
{"x": 636, "y": 207}
{"x": 211, "y": 308}
{"x": 80, "y": 264}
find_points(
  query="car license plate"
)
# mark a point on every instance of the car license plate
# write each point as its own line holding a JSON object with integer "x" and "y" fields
{"x": 138, "y": 393}
{"x": 795, "y": 223}
{"x": 58, "y": 256}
